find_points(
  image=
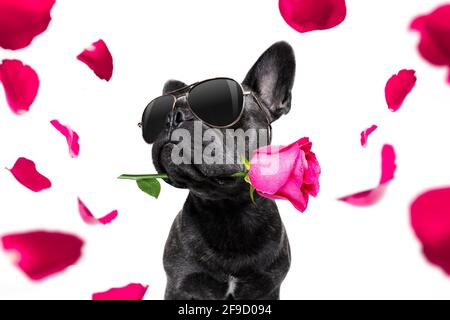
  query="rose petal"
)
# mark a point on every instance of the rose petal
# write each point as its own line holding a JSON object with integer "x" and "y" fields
{"x": 21, "y": 84}
{"x": 268, "y": 173}
{"x": 22, "y": 20}
{"x": 311, "y": 189}
{"x": 298, "y": 199}
{"x": 291, "y": 190}
{"x": 311, "y": 184}
{"x": 309, "y": 15}
{"x": 89, "y": 218}
{"x": 430, "y": 219}
{"x": 388, "y": 165}
{"x": 366, "y": 133}
{"x": 366, "y": 198}
{"x": 133, "y": 291}
{"x": 71, "y": 137}
{"x": 24, "y": 170}
{"x": 40, "y": 254}
{"x": 99, "y": 59}
{"x": 434, "y": 30}
{"x": 312, "y": 172}
{"x": 398, "y": 87}
{"x": 373, "y": 196}
{"x": 302, "y": 143}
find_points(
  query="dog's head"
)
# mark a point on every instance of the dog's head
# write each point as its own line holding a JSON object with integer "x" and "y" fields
{"x": 210, "y": 160}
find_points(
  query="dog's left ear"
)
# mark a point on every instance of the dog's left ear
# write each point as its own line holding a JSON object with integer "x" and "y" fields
{"x": 272, "y": 78}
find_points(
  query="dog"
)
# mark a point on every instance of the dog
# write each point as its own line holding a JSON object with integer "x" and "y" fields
{"x": 222, "y": 245}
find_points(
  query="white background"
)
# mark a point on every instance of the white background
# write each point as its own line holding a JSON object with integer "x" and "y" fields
{"x": 338, "y": 251}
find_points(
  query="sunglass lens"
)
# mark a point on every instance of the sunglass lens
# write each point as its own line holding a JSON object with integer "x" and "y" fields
{"x": 218, "y": 102}
{"x": 155, "y": 117}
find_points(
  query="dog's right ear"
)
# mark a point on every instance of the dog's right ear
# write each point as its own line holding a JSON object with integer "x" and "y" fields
{"x": 272, "y": 78}
{"x": 173, "y": 85}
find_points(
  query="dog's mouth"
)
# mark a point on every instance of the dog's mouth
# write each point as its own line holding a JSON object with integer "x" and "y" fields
{"x": 196, "y": 176}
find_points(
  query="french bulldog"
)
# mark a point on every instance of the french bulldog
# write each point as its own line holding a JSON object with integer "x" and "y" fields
{"x": 222, "y": 245}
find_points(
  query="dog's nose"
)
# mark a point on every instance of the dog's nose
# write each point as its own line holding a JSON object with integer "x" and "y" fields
{"x": 178, "y": 117}
{"x": 175, "y": 118}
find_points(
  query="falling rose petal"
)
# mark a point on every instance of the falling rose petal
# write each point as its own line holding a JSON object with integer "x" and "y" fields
{"x": 310, "y": 15}
{"x": 366, "y": 133}
{"x": 40, "y": 254}
{"x": 388, "y": 165}
{"x": 133, "y": 291}
{"x": 24, "y": 170}
{"x": 373, "y": 196}
{"x": 366, "y": 198}
{"x": 398, "y": 87}
{"x": 89, "y": 218}
{"x": 434, "y": 30}
{"x": 71, "y": 137}
{"x": 99, "y": 59}
{"x": 430, "y": 219}
{"x": 21, "y": 84}
{"x": 22, "y": 20}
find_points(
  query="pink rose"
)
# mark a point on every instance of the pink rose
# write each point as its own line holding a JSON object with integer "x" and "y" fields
{"x": 288, "y": 173}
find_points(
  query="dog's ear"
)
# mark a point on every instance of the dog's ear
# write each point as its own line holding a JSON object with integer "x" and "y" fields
{"x": 272, "y": 78}
{"x": 173, "y": 85}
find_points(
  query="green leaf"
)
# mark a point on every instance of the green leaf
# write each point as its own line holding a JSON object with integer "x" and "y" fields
{"x": 252, "y": 194}
{"x": 239, "y": 174}
{"x": 246, "y": 163}
{"x": 142, "y": 176}
{"x": 151, "y": 187}
{"x": 247, "y": 179}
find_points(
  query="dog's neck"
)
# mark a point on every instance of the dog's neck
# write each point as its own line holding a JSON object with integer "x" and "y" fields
{"x": 233, "y": 224}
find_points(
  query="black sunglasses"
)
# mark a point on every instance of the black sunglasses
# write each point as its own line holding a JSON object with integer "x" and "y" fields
{"x": 219, "y": 103}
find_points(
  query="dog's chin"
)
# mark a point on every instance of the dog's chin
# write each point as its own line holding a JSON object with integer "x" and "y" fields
{"x": 208, "y": 181}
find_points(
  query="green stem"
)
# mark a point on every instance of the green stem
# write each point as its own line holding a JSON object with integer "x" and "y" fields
{"x": 143, "y": 176}
{"x": 240, "y": 174}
